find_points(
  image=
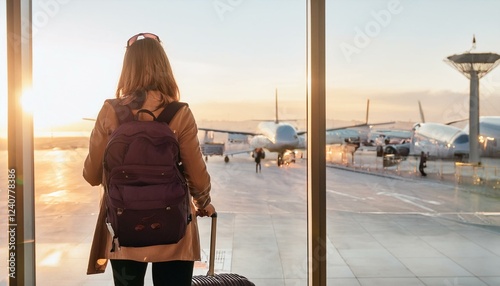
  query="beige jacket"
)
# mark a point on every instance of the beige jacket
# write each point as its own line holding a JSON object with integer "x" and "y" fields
{"x": 188, "y": 248}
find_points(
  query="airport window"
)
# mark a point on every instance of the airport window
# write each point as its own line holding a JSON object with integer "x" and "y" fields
{"x": 3, "y": 86}
{"x": 391, "y": 216}
{"x": 3, "y": 116}
{"x": 231, "y": 67}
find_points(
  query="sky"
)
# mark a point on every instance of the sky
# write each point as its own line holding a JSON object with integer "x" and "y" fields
{"x": 230, "y": 56}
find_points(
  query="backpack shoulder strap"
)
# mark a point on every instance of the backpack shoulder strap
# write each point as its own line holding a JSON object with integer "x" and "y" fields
{"x": 123, "y": 112}
{"x": 166, "y": 115}
{"x": 170, "y": 110}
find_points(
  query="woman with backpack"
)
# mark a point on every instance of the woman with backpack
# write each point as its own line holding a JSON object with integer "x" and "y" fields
{"x": 147, "y": 82}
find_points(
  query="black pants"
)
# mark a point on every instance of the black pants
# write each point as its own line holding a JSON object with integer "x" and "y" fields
{"x": 421, "y": 169}
{"x": 257, "y": 167}
{"x": 131, "y": 273}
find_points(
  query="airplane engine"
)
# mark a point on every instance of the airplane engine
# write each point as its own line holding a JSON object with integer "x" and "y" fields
{"x": 391, "y": 150}
{"x": 401, "y": 149}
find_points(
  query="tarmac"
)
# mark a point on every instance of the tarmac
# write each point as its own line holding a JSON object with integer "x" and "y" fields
{"x": 383, "y": 228}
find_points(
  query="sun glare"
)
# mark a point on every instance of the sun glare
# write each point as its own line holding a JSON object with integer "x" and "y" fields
{"x": 52, "y": 259}
{"x": 27, "y": 100}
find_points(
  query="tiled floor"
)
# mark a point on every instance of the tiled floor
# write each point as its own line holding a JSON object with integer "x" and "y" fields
{"x": 380, "y": 230}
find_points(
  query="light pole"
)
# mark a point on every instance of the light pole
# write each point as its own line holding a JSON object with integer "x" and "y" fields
{"x": 474, "y": 66}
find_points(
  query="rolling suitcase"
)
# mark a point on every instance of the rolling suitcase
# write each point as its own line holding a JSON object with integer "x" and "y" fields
{"x": 223, "y": 279}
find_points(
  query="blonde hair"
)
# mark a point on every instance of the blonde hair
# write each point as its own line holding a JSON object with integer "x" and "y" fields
{"x": 146, "y": 67}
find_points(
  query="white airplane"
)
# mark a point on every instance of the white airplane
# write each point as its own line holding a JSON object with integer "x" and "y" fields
{"x": 353, "y": 135}
{"x": 489, "y": 135}
{"x": 438, "y": 140}
{"x": 381, "y": 137}
{"x": 274, "y": 136}
{"x": 284, "y": 139}
{"x": 279, "y": 137}
{"x": 446, "y": 141}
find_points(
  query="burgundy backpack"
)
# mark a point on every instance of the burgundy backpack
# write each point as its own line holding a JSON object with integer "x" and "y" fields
{"x": 147, "y": 196}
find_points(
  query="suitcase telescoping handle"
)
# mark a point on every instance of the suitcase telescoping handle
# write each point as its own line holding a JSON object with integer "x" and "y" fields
{"x": 213, "y": 235}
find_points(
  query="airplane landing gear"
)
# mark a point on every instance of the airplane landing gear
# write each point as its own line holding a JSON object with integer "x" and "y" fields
{"x": 280, "y": 160}
{"x": 226, "y": 159}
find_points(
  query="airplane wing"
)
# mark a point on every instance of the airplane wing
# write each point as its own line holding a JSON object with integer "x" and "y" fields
{"x": 366, "y": 124}
{"x": 228, "y": 131}
{"x": 205, "y": 129}
{"x": 336, "y": 128}
{"x": 239, "y": 151}
{"x": 456, "y": 121}
{"x": 350, "y": 126}
{"x": 209, "y": 148}
{"x": 360, "y": 125}
{"x": 347, "y": 127}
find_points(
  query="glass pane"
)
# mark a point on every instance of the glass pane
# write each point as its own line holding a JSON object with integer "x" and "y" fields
{"x": 3, "y": 144}
{"x": 233, "y": 62}
{"x": 230, "y": 59}
{"x": 394, "y": 218}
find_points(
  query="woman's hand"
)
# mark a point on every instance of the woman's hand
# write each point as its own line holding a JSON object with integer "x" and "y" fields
{"x": 209, "y": 210}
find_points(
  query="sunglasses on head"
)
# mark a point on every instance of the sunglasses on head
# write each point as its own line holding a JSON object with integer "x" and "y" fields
{"x": 134, "y": 38}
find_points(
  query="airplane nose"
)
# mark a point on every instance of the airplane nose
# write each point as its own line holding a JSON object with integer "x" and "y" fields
{"x": 286, "y": 134}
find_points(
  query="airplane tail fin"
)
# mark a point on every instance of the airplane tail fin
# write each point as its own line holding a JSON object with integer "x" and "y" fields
{"x": 276, "y": 99}
{"x": 367, "y": 110}
{"x": 422, "y": 118}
